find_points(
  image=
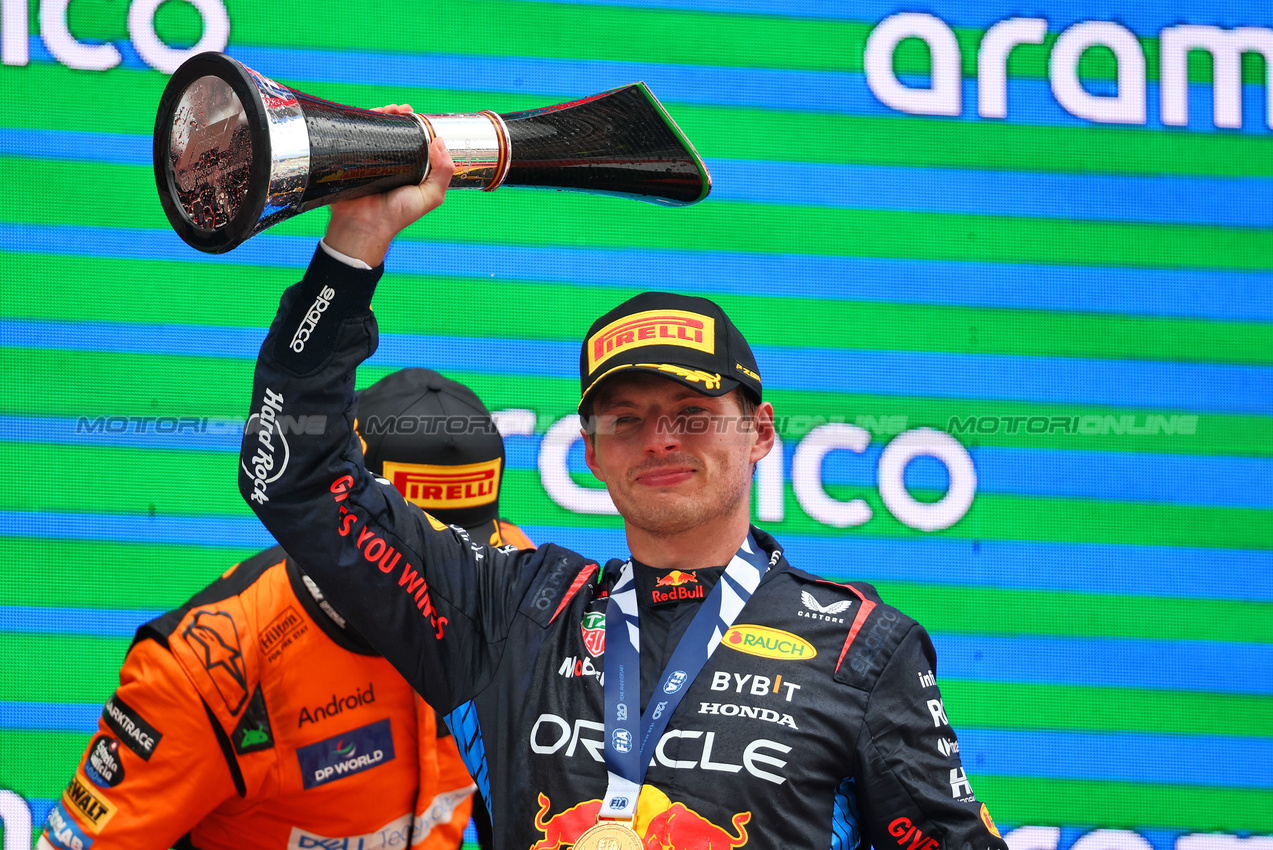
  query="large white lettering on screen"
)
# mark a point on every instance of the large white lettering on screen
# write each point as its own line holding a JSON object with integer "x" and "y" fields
{"x": 1128, "y": 102}
{"x": 15, "y": 26}
{"x": 806, "y": 476}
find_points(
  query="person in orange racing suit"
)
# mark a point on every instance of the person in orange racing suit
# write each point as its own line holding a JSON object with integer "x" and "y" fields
{"x": 255, "y": 717}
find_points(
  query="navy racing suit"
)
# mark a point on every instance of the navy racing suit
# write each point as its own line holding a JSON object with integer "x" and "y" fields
{"x": 817, "y": 723}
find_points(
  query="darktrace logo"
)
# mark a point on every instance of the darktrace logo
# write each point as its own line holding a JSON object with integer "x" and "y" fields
{"x": 346, "y": 754}
{"x": 133, "y": 729}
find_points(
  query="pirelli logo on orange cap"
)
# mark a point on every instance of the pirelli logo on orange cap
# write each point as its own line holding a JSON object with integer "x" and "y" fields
{"x": 652, "y": 327}
{"x": 440, "y": 487}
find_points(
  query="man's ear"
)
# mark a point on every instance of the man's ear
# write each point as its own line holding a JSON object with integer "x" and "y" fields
{"x": 765, "y": 433}
{"x": 590, "y": 453}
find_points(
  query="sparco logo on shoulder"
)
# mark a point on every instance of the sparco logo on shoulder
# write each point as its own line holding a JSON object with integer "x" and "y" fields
{"x": 266, "y": 465}
{"x": 547, "y": 594}
{"x": 864, "y": 654}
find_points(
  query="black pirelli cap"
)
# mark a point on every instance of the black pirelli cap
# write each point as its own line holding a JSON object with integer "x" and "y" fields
{"x": 436, "y": 442}
{"x": 681, "y": 337}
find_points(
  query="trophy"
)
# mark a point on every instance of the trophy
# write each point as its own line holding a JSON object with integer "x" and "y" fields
{"x": 236, "y": 152}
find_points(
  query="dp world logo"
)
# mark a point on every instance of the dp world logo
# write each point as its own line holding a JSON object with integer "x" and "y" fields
{"x": 344, "y": 755}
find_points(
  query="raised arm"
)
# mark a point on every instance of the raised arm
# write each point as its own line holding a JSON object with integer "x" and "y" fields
{"x": 436, "y": 604}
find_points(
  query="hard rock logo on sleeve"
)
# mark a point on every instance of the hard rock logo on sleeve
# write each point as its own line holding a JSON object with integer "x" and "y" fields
{"x": 132, "y": 729}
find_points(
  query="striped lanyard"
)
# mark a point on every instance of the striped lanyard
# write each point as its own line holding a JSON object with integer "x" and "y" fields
{"x": 629, "y": 747}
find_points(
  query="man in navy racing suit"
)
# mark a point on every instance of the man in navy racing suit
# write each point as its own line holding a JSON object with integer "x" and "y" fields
{"x": 774, "y": 708}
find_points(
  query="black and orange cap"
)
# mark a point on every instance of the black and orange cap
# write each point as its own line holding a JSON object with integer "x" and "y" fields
{"x": 681, "y": 337}
{"x": 436, "y": 442}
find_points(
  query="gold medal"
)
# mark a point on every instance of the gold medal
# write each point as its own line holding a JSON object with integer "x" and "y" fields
{"x": 609, "y": 835}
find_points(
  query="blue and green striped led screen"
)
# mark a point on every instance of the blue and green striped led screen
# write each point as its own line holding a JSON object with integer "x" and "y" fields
{"x": 1008, "y": 273}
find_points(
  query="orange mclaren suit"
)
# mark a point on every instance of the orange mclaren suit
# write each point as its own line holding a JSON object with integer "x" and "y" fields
{"x": 251, "y": 718}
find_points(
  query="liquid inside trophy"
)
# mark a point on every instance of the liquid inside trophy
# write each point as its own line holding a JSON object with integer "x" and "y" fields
{"x": 235, "y": 152}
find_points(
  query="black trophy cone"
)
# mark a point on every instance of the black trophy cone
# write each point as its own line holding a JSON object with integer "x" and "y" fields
{"x": 236, "y": 153}
{"x": 620, "y": 142}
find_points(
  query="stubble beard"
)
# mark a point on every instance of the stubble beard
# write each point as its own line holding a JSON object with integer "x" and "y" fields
{"x": 670, "y": 515}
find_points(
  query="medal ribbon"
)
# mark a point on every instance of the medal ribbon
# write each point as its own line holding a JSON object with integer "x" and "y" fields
{"x": 629, "y": 744}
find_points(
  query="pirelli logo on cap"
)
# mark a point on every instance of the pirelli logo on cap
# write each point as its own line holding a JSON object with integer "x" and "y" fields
{"x": 439, "y": 487}
{"x": 652, "y": 327}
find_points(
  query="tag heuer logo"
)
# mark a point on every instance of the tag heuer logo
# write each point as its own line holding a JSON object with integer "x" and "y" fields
{"x": 594, "y": 633}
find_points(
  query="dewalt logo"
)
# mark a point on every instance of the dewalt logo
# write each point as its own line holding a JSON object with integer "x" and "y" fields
{"x": 95, "y": 810}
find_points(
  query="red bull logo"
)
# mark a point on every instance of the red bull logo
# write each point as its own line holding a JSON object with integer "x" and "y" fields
{"x": 678, "y": 584}
{"x": 652, "y": 327}
{"x": 662, "y": 825}
{"x": 989, "y": 821}
{"x": 676, "y": 578}
{"x": 681, "y": 828}
{"x": 564, "y": 828}
{"x": 435, "y": 487}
